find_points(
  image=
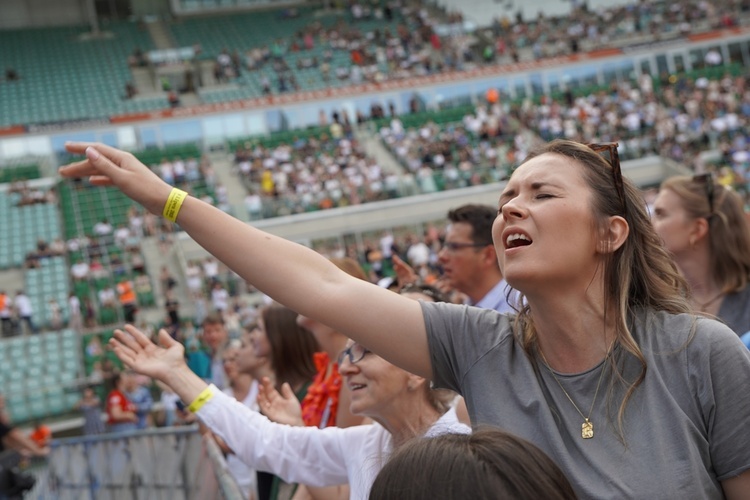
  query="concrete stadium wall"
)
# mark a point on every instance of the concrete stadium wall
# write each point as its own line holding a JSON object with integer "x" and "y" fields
{"x": 40, "y": 13}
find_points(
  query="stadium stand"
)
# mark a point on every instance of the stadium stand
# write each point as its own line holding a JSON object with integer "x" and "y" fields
{"x": 39, "y": 374}
{"x": 28, "y": 224}
{"x": 65, "y": 76}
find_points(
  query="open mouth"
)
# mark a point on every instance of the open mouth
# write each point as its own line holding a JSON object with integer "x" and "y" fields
{"x": 356, "y": 387}
{"x": 516, "y": 240}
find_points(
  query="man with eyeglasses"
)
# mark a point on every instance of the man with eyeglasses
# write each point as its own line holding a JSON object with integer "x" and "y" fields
{"x": 469, "y": 260}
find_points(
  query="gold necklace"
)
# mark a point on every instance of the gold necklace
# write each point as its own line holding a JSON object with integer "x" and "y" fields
{"x": 587, "y": 427}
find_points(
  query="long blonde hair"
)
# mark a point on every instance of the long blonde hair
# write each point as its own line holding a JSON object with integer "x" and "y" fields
{"x": 728, "y": 233}
{"x": 639, "y": 274}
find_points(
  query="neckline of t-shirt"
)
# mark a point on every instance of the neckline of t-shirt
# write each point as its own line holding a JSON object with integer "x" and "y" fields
{"x": 584, "y": 373}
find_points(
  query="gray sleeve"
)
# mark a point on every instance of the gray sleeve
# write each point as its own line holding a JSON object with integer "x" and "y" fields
{"x": 458, "y": 336}
{"x": 719, "y": 368}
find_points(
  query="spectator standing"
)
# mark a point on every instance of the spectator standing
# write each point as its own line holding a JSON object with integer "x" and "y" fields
{"x": 219, "y": 297}
{"x": 6, "y": 316}
{"x": 172, "y": 308}
{"x": 55, "y": 314}
{"x": 215, "y": 338}
{"x": 128, "y": 299}
{"x": 90, "y": 406}
{"x": 468, "y": 257}
{"x": 140, "y": 396}
{"x": 75, "y": 318}
{"x": 23, "y": 307}
{"x": 243, "y": 388}
{"x": 210, "y": 269}
{"x": 121, "y": 412}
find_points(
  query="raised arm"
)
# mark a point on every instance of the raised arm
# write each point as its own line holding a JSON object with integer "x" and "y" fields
{"x": 292, "y": 274}
{"x": 298, "y": 454}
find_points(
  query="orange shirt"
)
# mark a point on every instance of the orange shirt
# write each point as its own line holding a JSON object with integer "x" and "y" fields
{"x": 321, "y": 403}
{"x": 127, "y": 294}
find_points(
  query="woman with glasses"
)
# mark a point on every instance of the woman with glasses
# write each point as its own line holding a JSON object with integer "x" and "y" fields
{"x": 603, "y": 364}
{"x": 703, "y": 226}
{"x": 402, "y": 405}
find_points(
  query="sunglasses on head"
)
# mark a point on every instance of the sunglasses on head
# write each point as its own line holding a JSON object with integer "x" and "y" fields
{"x": 707, "y": 180}
{"x": 614, "y": 161}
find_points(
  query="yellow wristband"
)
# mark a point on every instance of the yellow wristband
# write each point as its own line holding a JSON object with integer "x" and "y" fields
{"x": 174, "y": 203}
{"x": 203, "y": 398}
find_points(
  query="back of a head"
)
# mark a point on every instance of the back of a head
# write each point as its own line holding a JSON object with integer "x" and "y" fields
{"x": 292, "y": 346}
{"x": 729, "y": 232}
{"x": 488, "y": 464}
{"x": 350, "y": 267}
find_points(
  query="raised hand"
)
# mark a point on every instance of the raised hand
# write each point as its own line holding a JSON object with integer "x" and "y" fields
{"x": 282, "y": 408}
{"x": 404, "y": 272}
{"x": 137, "y": 351}
{"x": 107, "y": 166}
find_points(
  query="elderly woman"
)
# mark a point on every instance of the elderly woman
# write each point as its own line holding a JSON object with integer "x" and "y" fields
{"x": 402, "y": 405}
{"x": 602, "y": 362}
{"x": 703, "y": 226}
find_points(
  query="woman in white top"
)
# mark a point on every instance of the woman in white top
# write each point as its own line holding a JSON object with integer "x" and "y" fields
{"x": 601, "y": 364}
{"x": 402, "y": 404}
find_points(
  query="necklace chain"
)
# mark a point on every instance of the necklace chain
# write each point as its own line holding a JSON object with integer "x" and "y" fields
{"x": 587, "y": 427}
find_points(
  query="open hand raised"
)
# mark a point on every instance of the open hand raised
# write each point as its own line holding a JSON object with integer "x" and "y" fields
{"x": 282, "y": 408}
{"x": 137, "y": 351}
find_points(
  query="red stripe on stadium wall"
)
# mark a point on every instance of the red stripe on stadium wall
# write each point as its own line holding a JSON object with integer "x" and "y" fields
{"x": 705, "y": 36}
{"x": 13, "y": 130}
{"x": 595, "y": 54}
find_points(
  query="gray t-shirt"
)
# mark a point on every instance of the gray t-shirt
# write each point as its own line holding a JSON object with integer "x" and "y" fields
{"x": 685, "y": 427}
{"x": 735, "y": 311}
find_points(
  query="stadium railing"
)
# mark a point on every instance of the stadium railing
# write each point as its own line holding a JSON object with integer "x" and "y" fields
{"x": 169, "y": 463}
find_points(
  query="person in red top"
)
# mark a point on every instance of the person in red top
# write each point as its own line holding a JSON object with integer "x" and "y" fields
{"x": 121, "y": 416}
{"x": 327, "y": 401}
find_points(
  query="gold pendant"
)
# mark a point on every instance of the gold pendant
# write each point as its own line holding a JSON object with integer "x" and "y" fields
{"x": 587, "y": 429}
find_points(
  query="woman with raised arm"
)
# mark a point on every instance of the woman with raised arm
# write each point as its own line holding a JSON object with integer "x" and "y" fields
{"x": 703, "y": 226}
{"x": 603, "y": 361}
{"x": 402, "y": 405}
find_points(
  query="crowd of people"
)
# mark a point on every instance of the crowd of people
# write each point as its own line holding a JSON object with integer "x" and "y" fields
{"x": 414, "y": 40}
{"x": 311, "y": 174}
{"x": 584, "y": 28}
{"x": 482, "y": 148}
{"x": 537, "y": 244}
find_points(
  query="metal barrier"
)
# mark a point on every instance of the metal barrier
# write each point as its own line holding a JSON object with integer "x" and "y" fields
{"x": 159, "y": 464}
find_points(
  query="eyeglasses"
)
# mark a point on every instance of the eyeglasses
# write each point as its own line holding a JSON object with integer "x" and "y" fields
{"x": 452, "y": 246}
{"x": 614, "y": 161}
{"x": 354, "y": 352}
{"x": 708, "y": 184}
